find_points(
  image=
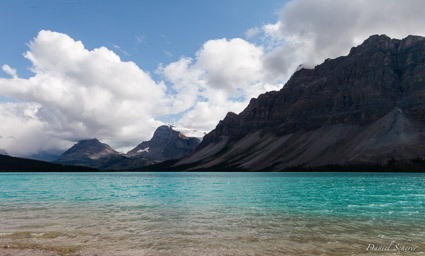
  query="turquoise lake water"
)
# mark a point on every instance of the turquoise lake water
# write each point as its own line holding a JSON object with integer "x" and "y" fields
{"x": 213, "y": 213}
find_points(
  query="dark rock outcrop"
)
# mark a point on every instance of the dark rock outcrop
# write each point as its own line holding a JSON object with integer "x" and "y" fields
{"x": 364, "y": 108}
{"x": 165, "y": 144}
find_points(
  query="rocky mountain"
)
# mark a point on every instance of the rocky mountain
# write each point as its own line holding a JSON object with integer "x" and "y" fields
{"x": 364, "y": 108}
{"x": 91, "y": 153}
{"x": 165, "y": 144}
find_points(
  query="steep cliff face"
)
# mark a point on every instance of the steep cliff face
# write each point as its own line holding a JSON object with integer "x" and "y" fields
{"x": 366, "y": 107}
{"x": 165, "y": 144}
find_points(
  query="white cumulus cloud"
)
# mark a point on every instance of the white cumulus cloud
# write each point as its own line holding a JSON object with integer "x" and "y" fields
{"x": 24, "y": 132}
{"x": 76, "y": 93}
{"x": 252, "y": 32}
{"x": 88, "y": 93}
{"x": 309, "y": 31}
{"x": 223, "y": 77}
{"x": 8, "y": 70}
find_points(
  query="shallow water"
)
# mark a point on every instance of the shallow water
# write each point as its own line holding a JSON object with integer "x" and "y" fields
{"x": 213, "y": 213}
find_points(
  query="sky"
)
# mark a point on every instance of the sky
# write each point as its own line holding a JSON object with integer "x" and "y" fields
{"x": 148, "y": 32}
{"x": 117, "y": 69}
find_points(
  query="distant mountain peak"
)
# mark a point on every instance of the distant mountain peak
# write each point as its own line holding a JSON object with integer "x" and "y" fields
{"x": 165, "y": 144}
{"x": 86, "y": 150}
{"x": 3, "y": 152}
{"x": 93, "y": 141}
{"x": 48, "y": 156}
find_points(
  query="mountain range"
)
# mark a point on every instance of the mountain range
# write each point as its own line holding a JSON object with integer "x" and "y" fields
{"x": 165, "y": 144}
{"x": 366, "y": 108}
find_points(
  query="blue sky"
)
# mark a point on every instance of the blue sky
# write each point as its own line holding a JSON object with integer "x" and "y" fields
{"x": 116, "y": 70}
{"x": 147, "y": 32}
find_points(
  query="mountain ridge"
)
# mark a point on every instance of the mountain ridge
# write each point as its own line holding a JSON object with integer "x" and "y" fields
{"x": 363, "y": 108}
{"x": 165, "y": 144}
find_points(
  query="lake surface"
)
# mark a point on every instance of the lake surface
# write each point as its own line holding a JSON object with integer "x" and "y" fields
{"x": 213, "y": 213}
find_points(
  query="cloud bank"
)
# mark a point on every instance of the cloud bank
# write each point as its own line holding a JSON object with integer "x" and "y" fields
{"x": 77, "y": 93}
{"x": 310, "y": 31}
